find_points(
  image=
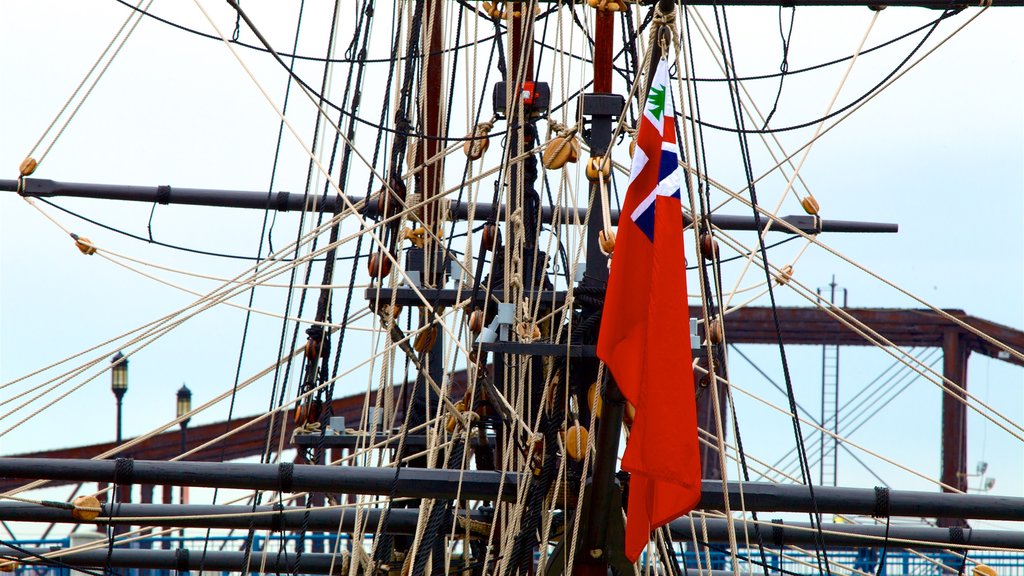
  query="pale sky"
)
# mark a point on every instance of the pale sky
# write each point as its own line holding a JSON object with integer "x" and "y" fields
{"x": 941, "y": 153}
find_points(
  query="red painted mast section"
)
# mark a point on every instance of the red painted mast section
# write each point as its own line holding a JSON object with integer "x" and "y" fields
{"x": 604, "y": 33}
{"x": 522, "y": 40}
{"x": 428, "y": 182}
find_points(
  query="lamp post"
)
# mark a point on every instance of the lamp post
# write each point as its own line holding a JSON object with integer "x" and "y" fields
{"x": 119, "y": 384}
{"x": 184, "y": 406}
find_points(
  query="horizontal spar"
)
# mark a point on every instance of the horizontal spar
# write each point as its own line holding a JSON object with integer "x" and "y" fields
{"x": 804, "y": 223}
{"x": 286, "y": 477}
{"x": 404, "y": 521}
{"x": 287, "y": 518}
{"x": 484, "y": 485}
{"x": 183, "y": 560}
{"x": 761, "y": 497}
{"x": 288, "y": 202}
{"x": 780, "y": 534}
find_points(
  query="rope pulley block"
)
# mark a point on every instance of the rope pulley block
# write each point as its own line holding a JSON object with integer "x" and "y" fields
{"x": 708, "y": 246}
{"x": 308, "y": 412}
{"x": 84, "y": 245}
{"x": 391, "y": 198}
{"x": 528, "y": 331}
{"x": 599, "y": 165}
{"x": 28, "y": 166}
{"x": 608, "y": 5}
{"x": 576, "y": 440}
{"x": 559, "y": 151}
{"x": 425, "y": 339}
{"x": 478, "y": 141}
{"x": 85, "y": 508}
{"x": 476, "y": 321}
{"x": 715, "y": 330}
{"x": 312, "y": 348}
{"x": 606, "y": 241}
{"x": 785, "y": 275}
{"x": 491, "y": 236}
{"x": 453, "y": 422}
{"x": 810, "y": 205}
{"x": 594, "y": 400}
{"x": 379, "y": 265}
{"x": 8, "y": 566}
{"x": 415, "y": 236}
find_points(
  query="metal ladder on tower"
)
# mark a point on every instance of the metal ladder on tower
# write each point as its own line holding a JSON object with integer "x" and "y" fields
{"x": 828, "y": 449}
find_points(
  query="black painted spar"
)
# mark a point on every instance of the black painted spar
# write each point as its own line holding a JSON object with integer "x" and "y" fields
{"x": 484, "y": 485}
{"x": 273, "y": 518}
{"x": 183, "y": 560}
{"x": 402, "y": 521}
{"x": 287, "y": 202}
{"x": 781, "y": 533}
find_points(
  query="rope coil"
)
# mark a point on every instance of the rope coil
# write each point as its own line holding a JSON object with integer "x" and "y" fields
{"x": 124, "y": 471}
{"x": 285, "y": 475}
{"x": 778, "y": 534}
{"x": 163, "y": 194}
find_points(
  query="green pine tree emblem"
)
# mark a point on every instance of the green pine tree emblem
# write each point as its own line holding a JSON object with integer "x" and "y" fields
{"x": 656, "y": 102}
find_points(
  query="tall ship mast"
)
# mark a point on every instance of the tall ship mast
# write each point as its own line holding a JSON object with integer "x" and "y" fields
{"x": 510, "y": 288}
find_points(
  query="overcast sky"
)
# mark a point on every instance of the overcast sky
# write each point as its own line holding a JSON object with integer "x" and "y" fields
{"x": 941, "y": 153}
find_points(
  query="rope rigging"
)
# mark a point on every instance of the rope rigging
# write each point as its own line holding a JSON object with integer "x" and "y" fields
{"x": 544, "y": 400}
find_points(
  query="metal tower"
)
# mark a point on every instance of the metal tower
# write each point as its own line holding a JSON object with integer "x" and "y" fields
{"x": 828, "y": 449}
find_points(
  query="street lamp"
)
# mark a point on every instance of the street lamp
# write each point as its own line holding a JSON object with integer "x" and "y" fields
{"x": 183, "y": 407}
{"x": 119, "y": 384}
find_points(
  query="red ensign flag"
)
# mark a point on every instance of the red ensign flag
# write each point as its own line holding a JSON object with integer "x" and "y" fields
{"x": 645, "y": 334}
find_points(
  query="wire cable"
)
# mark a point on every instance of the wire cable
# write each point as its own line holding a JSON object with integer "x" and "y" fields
{"x": 866, "y": 95}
